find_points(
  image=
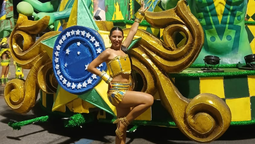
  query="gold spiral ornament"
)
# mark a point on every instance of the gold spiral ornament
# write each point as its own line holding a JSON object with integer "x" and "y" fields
{"x": 46, "y": 78}
{"x": 30, "y": 54}
{"x": 14, "y": 94}
{"x": 207, "y": 115}
{"x": 155, "y": 59}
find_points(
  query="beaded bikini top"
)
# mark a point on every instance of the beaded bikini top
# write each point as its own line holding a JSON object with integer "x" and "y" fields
{"x": 120, "y": 64}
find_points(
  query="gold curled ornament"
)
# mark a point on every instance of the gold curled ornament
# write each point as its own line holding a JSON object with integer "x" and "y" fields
{"x": 21, "y": 95}
{"x": 204, "y": 118}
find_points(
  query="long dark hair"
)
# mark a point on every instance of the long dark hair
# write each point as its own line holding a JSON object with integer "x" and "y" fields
{"x": 116, "y": 28}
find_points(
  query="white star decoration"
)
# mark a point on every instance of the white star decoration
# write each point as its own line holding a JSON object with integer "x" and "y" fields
{"x": 94, "y": 76}
{"x": 101, "y": 65}
{"x": 79, "y": 86}
{"x": 57, "y": 66}
{"x": 56, "y": 60}
{"x": 68, "y": 84}
{"x": 99, "y": 50}
{"x": 60, "y": 41}
{"x": 83, "y": 33}
{"x": 88, "y": 35}
{"x": 90, "y": 81}
{"x": 67, "y": 51}
{"x": 58, "y": 47}
{"x": 73, "y": 86}
{"x": 65, "y": 64}
{"x": 96, "y": 44}
{"x": 84, "y": 84}
{"x": 56, "y": 53}
{"x": 68, "y": 34}
{"x": 92, "y": 39}
{"x": 86, "y": 66}
{"x": 72, "y": 32}
{"x": 61, "y": 77}
{"x": 78, "y": 43}
{"x": 58, "y": 72}
{"x": 78, "y": 52}
{"x": 64, "y": 81}
{"x": 64, "y": 37}
{"x": 78, "y": 32}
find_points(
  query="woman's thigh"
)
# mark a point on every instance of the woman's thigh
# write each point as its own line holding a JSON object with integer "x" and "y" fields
{"x": 134, "y": 98}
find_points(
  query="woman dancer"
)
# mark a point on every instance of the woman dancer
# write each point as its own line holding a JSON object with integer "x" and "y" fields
{"x": 129, "y": 104}
{"x": 5, "y": 60}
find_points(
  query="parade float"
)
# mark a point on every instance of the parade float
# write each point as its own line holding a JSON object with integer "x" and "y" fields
{"x": 189, "y": 55}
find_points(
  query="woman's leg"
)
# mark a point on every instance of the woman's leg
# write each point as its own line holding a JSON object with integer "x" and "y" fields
{"x": 2, "y": 75}
{"x": 4, "y": 68}
{"x": 121, "y": 112}
{"x": 6, "y": 73}
{"x": 139, "y": 102}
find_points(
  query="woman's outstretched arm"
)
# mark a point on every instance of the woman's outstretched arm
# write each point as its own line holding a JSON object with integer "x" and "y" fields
{"x": 134, "y": 27}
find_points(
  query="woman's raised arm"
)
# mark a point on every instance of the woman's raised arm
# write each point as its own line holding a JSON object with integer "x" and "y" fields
{"x": 134, "y": 27}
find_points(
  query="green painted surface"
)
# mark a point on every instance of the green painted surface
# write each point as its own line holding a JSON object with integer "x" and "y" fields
{"x": 159, "y": 113}
{"x": 252, "y": 107}
{"x": 189, "y": 87}
{"x": 236, "y": 87}
{"x": 84, "y": 17}
{"x": 94, "y": 98}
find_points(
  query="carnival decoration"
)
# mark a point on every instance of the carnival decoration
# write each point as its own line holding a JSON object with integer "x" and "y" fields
{"x": 74, "y": 49}
{"x": 152, "y": 58}
{"x": 224, "y": 27}
{"x": 6, "y": 19}
{"x": 204, "y": 118}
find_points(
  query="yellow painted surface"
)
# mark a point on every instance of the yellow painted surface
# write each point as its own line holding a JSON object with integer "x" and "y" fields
{"x": 140, "y": 27}
{"x": 250, "y": 12}
{"x": 147, "y": 115}
{"x": 240, "y": 108}
{"x": 156, "y": 96}
{"x": 217, "y": 88}
{"x": 219, "y": 7}
{"x": 250, "y": 9}
{"x": 3, "y": 17}
{"x": 44, "y": 99}
{"x": 105, "y": 37}
{"x": 79, "y": 106}
{"x": 61, "y": 8}
{"x": 251, "y": 84}
{"x": 252, "y": 44}
{"x": 73, "y": 16}
{"x": 117, "y": 15}
{"x": 62, "y": 99}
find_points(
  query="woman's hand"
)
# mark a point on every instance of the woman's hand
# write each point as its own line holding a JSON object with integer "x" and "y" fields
{"x": 143, "y": 9}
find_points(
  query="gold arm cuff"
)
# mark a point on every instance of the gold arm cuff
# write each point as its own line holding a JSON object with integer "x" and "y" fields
{"x": 139, "y": 16}
{"x": 137, "y": 20}
{"x": 106, "y": 77}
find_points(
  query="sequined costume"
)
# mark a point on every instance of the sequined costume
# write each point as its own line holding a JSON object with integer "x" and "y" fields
{"x": 119, "y": 65}
{"x": 4, "y": 50}
{"x": 5, "y": 57}
{"x": 117, "y": 92}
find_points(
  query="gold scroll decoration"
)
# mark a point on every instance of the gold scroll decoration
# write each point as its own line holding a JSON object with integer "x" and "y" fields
{"x": 30, "y": 54}
{"x": 204, "y": 118}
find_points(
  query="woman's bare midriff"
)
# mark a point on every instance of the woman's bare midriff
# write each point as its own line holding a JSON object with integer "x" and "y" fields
{"x": 122, "y": 78}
